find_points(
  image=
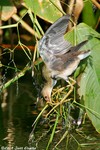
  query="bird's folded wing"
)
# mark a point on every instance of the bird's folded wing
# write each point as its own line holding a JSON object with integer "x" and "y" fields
{"x": 77, "y": 47}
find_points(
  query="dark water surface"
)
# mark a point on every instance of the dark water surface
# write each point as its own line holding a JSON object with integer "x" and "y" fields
{"x": 16, "y": 121}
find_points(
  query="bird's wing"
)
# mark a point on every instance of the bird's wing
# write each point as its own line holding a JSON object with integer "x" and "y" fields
{"x": 77, "y": 47}
{"x": 59, "y": 26}
{"x": 53, "y": 40}
{"x": 57, "y": 64}
{"x": 62, "y": 62}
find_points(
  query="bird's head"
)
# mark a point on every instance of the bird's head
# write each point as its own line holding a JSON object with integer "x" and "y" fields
{"x": 46, "y": 92}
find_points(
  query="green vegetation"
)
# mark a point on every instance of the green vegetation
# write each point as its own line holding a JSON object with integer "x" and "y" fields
{"x": 69, "y": 102}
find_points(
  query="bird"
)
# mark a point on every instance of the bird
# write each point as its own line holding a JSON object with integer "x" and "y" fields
{"x": 60, "y": 57}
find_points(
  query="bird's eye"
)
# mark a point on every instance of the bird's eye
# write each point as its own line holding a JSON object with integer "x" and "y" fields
{"x": 45, "y": 97}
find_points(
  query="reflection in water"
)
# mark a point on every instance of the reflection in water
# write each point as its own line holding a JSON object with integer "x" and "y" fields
{"x": 19, "y": 115}
{"x": 8, "y": 120}
{"x": 10, "y": 135}
{"x": 16, "y": 117}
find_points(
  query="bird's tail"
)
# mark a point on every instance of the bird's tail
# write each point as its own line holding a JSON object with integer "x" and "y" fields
{"x": 84, "y": 54}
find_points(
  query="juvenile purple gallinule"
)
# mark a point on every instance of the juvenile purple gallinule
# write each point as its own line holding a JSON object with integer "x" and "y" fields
{"x": 60, "y": 57}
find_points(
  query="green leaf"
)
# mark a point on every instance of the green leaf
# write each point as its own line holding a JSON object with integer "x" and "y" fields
{"x": 45, "y": 9}
{"x": 90, "y": 85}
{"x": 88, "y": 15}
{"x": 90, "y": 80}
{"x": 7, "y": 9}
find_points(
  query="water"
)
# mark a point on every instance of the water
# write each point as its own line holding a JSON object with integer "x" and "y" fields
{"x": 17, "y": 117}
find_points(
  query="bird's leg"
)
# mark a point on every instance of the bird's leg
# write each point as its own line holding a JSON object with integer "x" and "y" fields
{"x": 71, "y": 85}
{"x": 70, "y": 90}
{"x": 73, "y": 82}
